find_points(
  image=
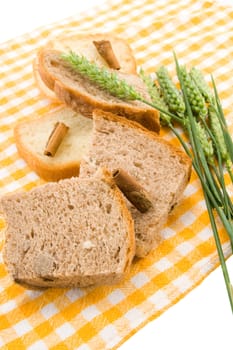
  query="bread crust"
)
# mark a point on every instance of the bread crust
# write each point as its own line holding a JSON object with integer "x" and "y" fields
{"x": 43, "y": 88}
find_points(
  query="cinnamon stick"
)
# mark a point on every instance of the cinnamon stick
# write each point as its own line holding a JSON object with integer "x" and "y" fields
{"x": 132, "y": 190}
{"x": 104, "y": 48}
{"x": 55, "y": 139}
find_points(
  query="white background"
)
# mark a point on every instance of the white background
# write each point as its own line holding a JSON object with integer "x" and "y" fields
{"x": 202, "y": 319}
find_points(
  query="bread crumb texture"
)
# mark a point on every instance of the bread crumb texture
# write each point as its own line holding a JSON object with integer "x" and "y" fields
{"x": 74, "y": 232}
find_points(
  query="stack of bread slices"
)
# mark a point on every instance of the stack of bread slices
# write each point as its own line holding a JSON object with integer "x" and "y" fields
{"x": 111, "y": 179}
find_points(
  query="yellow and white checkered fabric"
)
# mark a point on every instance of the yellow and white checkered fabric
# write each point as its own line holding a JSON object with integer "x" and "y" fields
{"x": 201, "y": 34}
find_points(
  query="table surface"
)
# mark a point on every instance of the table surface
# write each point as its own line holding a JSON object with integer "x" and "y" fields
{"x": 202, "y": 319}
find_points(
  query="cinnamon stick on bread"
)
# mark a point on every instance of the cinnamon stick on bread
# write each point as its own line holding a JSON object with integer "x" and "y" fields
{"x": 77, "y": 232}
{"x": 32, "y": 136}
{"x": 161, "y": 169}
{"x": 84, "y": 96}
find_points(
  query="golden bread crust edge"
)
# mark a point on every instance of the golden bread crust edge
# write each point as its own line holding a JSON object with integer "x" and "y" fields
{"x": 43, "y": 88}
{"x": 48, "y": 172}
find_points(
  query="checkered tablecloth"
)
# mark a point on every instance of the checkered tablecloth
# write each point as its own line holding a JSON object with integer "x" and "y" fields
{"x": 201, "y": 33}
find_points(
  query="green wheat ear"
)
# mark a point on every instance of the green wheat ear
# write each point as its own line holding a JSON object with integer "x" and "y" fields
{"x": 104, "y": 78}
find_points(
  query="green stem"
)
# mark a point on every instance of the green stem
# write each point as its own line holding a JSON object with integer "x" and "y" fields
{"x": 220, "y": 251}
{"x": 222, "y": 120}
{"x": 208, "y": 195}
{"x": 192, "y": 131}
{"x": 228, "y": 167}
{"x": 226, "y": 223}
{"x": 193, "y": 141}
{"x": 219, "y": 173}
{"x": 173, "y": 116}
{"x": 226, "y": 199}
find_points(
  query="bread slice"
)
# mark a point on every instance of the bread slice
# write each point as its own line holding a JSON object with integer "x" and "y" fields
{"x": 31, "y": 137}
{"x": 160, "y": 168}
{"x": 76, "y": 232}
{"x": 81, "y": 94}
{"x": 82, "y": 44}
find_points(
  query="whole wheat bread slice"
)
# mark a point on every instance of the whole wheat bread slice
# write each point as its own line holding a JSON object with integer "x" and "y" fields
{"x": 160, "y": 168}
{"x": 84, "y": 96}
{"x": 32, "y": 135}
{"x": 82, "y": 44}
{"x": 77, "y": 232}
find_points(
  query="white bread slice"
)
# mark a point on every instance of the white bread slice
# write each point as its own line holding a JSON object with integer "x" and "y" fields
{"x": 160, "y": 168}
{"x": 31, "y": 137}
{"x": 81, "y": 94}
{"x": 76, "y": 232}
{"x": 82, "y": 44}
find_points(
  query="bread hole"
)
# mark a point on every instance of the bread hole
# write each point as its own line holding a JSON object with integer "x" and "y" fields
{"x": 140, "y": 236}
{"x": 116, "y": 255}
{"x": 105, "y": 230}
{"x": 54, "y": 63}
{"x": 108, "y": 208}
{"x": 32, "y": 233}
{"x": 172, "y": 207}
{"x": 70, "y": 206}
{"x": 124, "y": 153}
{"x": 26, "y": 246}
{"x": 111, "y": 130}
{"x": 138, "y": 165}
{"x": 103, "y": 131}
{"x": 48, "y": 279}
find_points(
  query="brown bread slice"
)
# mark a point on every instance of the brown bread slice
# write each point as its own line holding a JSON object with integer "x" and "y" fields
{"x": 82, "y": 44}
{"x": 76, "y": 232}
{"x": 160, "y": 168}
{"x": 80, "y": 94}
